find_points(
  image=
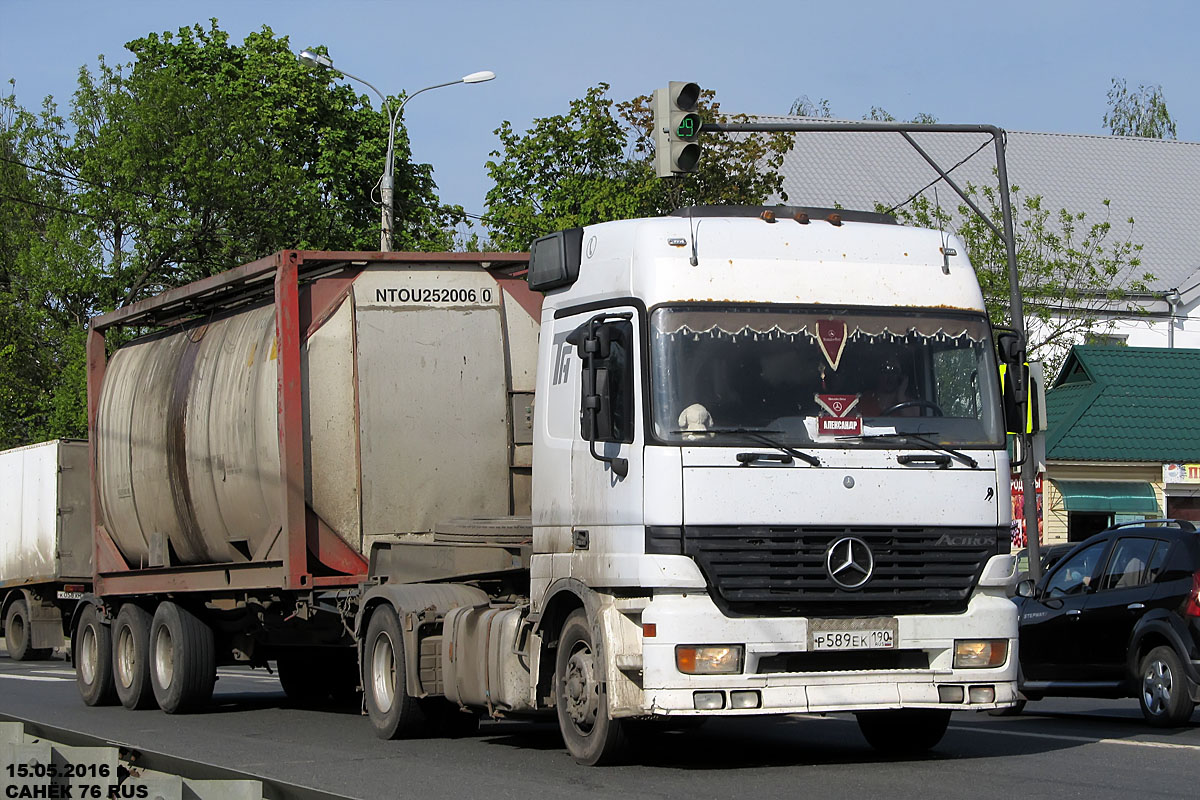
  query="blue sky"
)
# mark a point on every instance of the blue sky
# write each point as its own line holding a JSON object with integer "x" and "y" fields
{"x": 1034, "y": 66}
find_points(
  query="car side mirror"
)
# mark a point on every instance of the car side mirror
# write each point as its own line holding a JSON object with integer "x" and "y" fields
{"x": 1026, "y": 588}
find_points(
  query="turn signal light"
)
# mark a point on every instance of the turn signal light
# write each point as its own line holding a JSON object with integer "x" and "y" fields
{"x": 709, "y": 660}
{"x": 981, "y": 653}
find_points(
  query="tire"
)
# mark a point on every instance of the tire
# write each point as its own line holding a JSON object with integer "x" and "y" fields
{"x": 183, "y": 665}
{"x": 394, "y": 714}
{"x": 905, "y": 731}
{"x": 18, "y": 634}
{"x": 93, "y": 659}
{"x": 131, "y": 657}
{"x": 1163, "y": 690}
{"x": 1011, "y": 711}
{"x": 592, "y": 737}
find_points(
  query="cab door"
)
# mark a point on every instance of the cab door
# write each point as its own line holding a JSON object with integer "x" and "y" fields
{"x": 1053, "y": 646}
{"x": 606, "y": 453}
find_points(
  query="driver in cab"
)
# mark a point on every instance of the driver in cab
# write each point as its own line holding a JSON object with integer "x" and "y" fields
{"x": 888, "y": 389}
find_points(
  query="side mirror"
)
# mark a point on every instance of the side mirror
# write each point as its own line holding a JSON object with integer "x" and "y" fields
{"x": 603, "y": 383}
{"x": 1026, "y": 588}
{"x": 1009, "y": 347}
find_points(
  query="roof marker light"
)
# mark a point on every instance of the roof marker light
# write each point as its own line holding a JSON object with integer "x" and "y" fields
{"x": 835, "y": 220}
{"x": 767, "y": 216}
{"x": 801, "y": 217}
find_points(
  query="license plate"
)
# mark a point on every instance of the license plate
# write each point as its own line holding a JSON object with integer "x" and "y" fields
{"x": 852, "y": 634}
{"x": 70, "y": 595}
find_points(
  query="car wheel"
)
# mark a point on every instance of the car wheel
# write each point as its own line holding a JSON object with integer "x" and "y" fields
{"x": 591, "y": 735}
{"x": 394, "y": 713}
{"x": 93, "y": 659}
{"x": 183, "y": 664}
{"x": 905, "y": 731}
{"x": 1163, "y": 693}
{"x": 131, "y": 657}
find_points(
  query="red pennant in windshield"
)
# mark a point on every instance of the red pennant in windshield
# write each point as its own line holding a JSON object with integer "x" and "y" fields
{"x": 831, "y": 333}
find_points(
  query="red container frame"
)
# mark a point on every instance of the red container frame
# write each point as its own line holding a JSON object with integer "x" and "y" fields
{"x": 304, "y": 286}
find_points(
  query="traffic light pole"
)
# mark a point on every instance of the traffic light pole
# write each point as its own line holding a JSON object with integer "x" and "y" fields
{"x": 1016, "y": 310}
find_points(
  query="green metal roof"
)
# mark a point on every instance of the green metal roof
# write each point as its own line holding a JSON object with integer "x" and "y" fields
{"x": 1112, "y": 403}
{"x": 1122, "y": 497}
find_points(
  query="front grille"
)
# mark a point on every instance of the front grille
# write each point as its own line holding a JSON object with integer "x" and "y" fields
{"x": 844, "y": 661}
{"x": 780, "y": 571}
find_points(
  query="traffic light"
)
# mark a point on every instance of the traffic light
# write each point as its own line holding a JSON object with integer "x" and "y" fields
{"x": 676, "y": 129}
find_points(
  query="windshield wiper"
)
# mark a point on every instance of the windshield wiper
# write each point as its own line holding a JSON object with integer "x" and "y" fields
{"x": 916, "y": 437}
{"x": 760, "y": 434}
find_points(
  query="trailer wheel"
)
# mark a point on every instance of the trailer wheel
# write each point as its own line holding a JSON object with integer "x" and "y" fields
{"x": 904, "y": 731}
{"x": 93, "y": 659}
{"x": 131, "y": 657}
{"x": 591, "y": 735}
{"x": 183, "y": 666}
{"x": 18, "y": 634}
{"x": 394, "y": 714}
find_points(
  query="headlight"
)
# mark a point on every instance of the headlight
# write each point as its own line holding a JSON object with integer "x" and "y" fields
{"x": 980, "y": 653}
{"x": 723, "y": 659}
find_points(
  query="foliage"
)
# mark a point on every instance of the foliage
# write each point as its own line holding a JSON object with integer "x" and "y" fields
{"x": 1071, "y": 269}
{"x": 804, "y": 107}
{"x": 1142, "y": 112}
{"x": 198, "y": 156}
{"x": 595, "y": 163}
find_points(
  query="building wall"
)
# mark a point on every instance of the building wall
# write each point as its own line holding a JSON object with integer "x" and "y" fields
{"x": 1052, "y": 502}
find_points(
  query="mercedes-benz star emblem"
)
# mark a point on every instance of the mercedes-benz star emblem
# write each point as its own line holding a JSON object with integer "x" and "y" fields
{"x": 850, "y": 562}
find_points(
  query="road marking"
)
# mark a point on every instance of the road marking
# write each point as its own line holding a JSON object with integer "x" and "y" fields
{"x": 1080, "y": 739}
{"x": 30, "y": 678}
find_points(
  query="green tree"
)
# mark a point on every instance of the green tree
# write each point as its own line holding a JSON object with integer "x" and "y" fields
{"x": 1072, "y": 270}
{"x": 595, "y": 163}
{"x": 1142, "y": 112}
{"x": 196, "y": 157}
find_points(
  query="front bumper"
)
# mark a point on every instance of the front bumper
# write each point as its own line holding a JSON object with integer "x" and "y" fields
{"x": 694, "y": 619}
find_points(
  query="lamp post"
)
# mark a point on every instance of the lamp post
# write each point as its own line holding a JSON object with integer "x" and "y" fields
{"x": 387, "y": 184}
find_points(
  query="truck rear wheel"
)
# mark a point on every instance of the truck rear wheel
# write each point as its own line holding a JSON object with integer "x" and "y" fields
{"x": 183, "y": 666}
{"x": 93, "y": 659}
{"x": 131, "y": 657}
{"x": 394, "y": 713}
{"x": 18, "y": 634}
{"x": 591, "y": 735}
{"x": 904, "y": 731}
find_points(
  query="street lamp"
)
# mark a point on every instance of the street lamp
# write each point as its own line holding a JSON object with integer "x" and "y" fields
{"x": 386, "y": 184}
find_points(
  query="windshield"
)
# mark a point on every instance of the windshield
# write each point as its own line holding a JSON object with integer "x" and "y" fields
{"x": 815, "y": 378}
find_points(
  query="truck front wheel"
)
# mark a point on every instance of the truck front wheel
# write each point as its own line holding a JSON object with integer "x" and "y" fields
{"x": 394, "y": 713}
{"x": 131, "y": 657}
{"x": 93, "y": 659}
{"x": 183, "y": 661}
{"x": 591, "y": 735}
{"x": 18, "y": 634}
{"x": 904, "y": 731}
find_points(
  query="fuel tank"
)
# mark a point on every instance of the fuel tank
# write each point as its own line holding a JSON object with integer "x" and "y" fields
{"x": 413, "y": 385}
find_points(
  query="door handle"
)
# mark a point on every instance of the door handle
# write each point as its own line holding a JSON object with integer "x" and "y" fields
{"x": 1136, "y": 606}
{"x": 746, "y": 459}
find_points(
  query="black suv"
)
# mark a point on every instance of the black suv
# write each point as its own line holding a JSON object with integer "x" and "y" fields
{"x": 1118, "y": 616}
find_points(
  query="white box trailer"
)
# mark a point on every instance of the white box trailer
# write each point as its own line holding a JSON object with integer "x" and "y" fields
{"x": 45, "y": 542}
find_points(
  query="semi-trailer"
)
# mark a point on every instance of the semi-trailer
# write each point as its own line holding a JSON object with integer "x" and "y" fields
{"x": 45, "y": 544}
{"x": 727, "y": 462}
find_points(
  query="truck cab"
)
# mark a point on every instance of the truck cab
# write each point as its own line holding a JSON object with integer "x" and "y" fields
{"x": 770, "y": 474}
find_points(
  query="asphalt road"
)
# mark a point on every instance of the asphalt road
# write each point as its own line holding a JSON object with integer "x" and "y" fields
{"x": 1062, "y": 749}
